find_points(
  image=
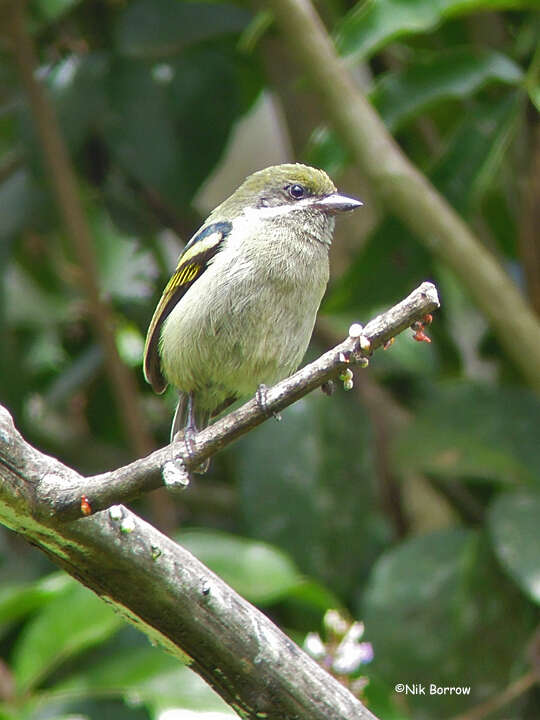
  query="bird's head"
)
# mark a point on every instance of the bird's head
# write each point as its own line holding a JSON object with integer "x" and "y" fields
{"x": 283, "y": 191}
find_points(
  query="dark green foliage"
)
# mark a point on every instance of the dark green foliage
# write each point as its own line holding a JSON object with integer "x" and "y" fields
{"x": 412, "y": 505}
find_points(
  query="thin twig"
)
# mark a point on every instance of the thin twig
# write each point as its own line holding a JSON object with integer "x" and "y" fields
{"x": 55, "y": 495}
{"x": 514, "y": 690}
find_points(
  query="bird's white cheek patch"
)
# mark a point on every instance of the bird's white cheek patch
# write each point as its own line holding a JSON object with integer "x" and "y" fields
{"x": 266, "y": 213}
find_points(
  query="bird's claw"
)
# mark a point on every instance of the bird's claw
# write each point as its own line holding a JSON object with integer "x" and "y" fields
{"x": 261, "y": 397}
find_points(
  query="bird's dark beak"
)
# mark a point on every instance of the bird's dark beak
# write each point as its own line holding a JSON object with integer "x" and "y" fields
{"x": 336, "y": 203}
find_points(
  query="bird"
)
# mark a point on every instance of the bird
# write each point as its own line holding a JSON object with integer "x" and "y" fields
{"x": 238, "y": 312}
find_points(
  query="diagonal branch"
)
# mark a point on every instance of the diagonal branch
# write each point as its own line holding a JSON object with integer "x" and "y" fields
{"x": 172, "y": 597}
{"x": 60, "y": 495}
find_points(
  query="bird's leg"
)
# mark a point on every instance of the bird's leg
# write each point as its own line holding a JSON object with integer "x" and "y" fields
{"x": 175, "y": 474}
{"x": 190, "y": 431}
{"x": 261, "y": 398}
{"x": 186, "y": 433}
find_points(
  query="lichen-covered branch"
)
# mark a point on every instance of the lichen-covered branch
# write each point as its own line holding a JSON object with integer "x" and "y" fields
{"x": 162, "y": 588}
{"x": 166, "y": 592}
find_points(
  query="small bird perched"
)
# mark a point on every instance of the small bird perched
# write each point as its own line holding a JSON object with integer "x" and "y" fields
{"x": 239, "y": 310}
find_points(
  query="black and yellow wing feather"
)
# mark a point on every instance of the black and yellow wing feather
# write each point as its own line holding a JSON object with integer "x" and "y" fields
{"x": 191, "y": 265}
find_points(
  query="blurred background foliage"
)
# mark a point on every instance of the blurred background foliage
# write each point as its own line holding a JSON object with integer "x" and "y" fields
{"x": 413, "y": 502}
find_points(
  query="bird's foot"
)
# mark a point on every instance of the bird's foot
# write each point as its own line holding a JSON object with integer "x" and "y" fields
{"x": 188, "y": 436}
{"x": 261, "y": 396}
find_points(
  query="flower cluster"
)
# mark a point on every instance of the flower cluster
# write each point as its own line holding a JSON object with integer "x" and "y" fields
{"x": 342, "y": 654}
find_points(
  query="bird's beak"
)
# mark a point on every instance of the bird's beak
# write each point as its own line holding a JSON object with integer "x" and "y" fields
{"x": 336, "y": 203}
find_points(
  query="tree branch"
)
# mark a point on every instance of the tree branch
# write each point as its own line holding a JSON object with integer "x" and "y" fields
{"x": 60, "y": 495}
{"x": 189, "y": 610}
{"x": 168, "y": 594}
{"x": 406, "y": 192}
{"x": 530, "y": 220}
{"x": 510, "y": 693}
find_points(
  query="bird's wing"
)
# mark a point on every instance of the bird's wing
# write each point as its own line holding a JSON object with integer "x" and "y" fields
{"x": 192, "y": 263}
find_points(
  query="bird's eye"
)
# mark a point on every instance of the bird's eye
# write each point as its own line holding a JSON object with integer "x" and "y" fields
{"x": 297, "y": 192}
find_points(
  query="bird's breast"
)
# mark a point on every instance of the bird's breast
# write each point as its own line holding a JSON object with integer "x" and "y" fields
{"x": 248, "y": 319}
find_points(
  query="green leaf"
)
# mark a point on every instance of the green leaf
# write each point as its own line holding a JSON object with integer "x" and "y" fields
{"x": 130, "y": 344}
{"x": 127, "y": 208}
{"x": 16, "y": 601}
{"x": 211, "y": 89}
{"x": 126, "y": 272}
{"x": 182, "y": 688}
{"x": 383, "y": 701}
{"x": 145, "y": 675}
{"x": 10, "y": 713}
{"x": 161, "y": 28}
{"x": 426, "y": 83}
{"x": 481, "y": 432}
{"x": 385, "y": 270}
{"x": 304, "y": 607}
{"x": 259, "y": 572}
{"x": 51, "y": 10}
{"x": 502, "y": 217}
{"x": 23, "y": 204}
{"x": 65, "y": 627}
{"x": 141, "y": 136}
{"x": 302, "y": 487}
{"x": 28, "y": 304}
{"x": 532, "y": 82}
{"x": 514, "y": 522}
{"x": 326, "y": 151}
{"x": 399, "y": 578}
{"x": 438, "y": 610}
{"x": 534, "y": 94}
{"x": 78, "y": 87}
{"x": 475, "y": 150}
{"x": 170, "y": 142}
{"x": 369, "y": 26}
{"x": 46, "y": 352}
{"x": 434, "y": 78}
{"x": 313, "y": 595}
{"x": 465, "y": 327}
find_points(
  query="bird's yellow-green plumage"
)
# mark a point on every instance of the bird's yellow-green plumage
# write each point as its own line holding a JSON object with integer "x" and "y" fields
{"x": 239, "y": 310}
{"x": 277, "y": 177}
